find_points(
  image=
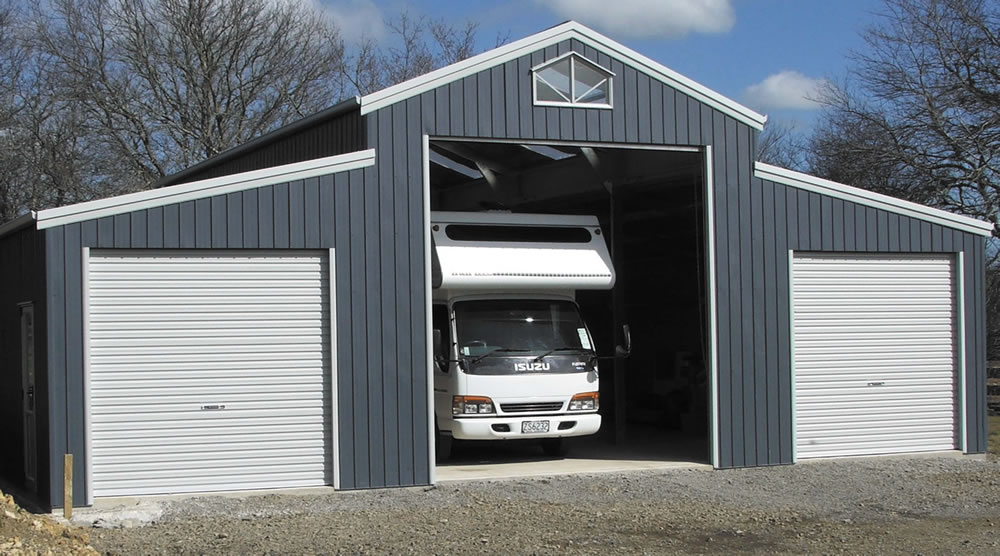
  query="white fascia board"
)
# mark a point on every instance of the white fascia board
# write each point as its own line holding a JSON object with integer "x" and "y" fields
{"x": 16, "y": 224}
{"x": 549, "y": 37}
{"x": 204, "y": 188}
{"x": 871, "y": 199}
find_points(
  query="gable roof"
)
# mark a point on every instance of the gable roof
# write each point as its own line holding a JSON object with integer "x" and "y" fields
{"x": 549, "y": 37}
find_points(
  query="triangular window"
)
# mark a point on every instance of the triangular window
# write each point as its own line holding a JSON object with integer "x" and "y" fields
{"x": 572, "y": 80}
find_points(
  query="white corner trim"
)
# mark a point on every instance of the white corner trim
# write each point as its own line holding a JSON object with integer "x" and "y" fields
{"x": 331, "y": 271}
{"x": 549, "y": 37}
{"x": 713, "y": 324}
{"x": 16, "y": 224}
{"x": 88, "y": 421}
{"x": 791, "y": 352}
{"x": 428, "y": 307}
{"x": 204, "y": 188}
{"x": 963, "y": 422}
{"x": 871, "y": 199}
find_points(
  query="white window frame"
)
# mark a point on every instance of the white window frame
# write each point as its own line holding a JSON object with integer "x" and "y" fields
{"x": 572, "y": 83}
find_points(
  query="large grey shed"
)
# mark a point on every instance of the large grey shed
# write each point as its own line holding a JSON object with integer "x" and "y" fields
{"x": 260, "y": 320}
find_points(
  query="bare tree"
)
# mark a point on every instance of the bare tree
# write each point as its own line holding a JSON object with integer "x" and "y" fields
{"x": 101, "y": 97}
{"x": 164, "y": 84}
{"x": 919, "y": 116}
{"x": 416, "y": 45}
{"x": 780, "y": 144}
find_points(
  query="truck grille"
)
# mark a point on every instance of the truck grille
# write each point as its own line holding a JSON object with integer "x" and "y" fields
{"x": 526, "y": 407}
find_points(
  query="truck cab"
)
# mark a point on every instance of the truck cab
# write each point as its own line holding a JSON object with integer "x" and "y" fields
{"x": 513, "y": 358}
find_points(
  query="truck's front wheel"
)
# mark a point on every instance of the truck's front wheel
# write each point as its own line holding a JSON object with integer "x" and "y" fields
{"x": 554, "y": 447}
{"x": 442, "y": 444}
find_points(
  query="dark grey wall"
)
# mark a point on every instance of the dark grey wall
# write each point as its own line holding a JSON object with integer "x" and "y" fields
{"x": 752, "y": 224}
{"x": 382, "y": 391}
{"x": 757, "y": 223}
{"x": 336, "y": 135}
{"x": 22, "y": 259}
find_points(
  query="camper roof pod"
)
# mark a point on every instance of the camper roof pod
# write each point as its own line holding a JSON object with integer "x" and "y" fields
{"x": 495, "y": 250}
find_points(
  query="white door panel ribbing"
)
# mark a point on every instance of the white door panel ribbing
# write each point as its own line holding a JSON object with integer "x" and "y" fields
{"x": 209, "y": 370}
{"x": 874, "y": 354}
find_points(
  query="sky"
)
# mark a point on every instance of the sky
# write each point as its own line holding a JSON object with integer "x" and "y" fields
{"x": 770, "y": 55}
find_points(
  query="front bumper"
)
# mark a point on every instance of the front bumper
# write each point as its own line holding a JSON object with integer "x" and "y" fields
{"x": 486, "y": 428}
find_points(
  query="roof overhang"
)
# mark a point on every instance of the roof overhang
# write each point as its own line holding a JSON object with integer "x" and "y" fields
{"x": 205, "y": 188}
{"x": 871, "y": 199}
{"x": 18, "y": 223}
{"x": 549, "y": 37}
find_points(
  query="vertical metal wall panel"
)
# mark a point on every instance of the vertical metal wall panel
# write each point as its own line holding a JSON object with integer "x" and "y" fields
{"x": 55, "y": 297}
{"x": 875, "y": 360}
{"x": 345, "y": 288}
{"x": 373, "y": 314}
{"x": 387, "y": 283}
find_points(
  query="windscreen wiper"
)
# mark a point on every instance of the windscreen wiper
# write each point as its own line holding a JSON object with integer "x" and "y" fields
{"x": 551, "y": 351}
{"x": 479, "y": 358}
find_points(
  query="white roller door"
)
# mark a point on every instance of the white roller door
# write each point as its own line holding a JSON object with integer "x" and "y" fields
{"x": 874, "y": 354}
{"x": 208, "y": 371}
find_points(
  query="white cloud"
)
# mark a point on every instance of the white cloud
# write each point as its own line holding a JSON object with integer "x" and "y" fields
{"x": 648, "y": 18}
{"x": 356, "y": 19}
{"x": 785, "y": 90}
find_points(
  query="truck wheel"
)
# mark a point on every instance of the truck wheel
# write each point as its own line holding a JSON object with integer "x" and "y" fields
{"x": 443, "y": 445}
{"x": 554, "y": 447}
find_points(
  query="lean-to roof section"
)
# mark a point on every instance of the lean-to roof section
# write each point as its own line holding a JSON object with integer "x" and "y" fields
{"x": 204, "y": 188}
{"x": 870, "y": 198}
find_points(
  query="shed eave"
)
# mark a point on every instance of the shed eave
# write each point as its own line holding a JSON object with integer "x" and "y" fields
{"x": 548, "y": 37}
{"x": 18, "y": 223}
{"x": 870, "y": 198}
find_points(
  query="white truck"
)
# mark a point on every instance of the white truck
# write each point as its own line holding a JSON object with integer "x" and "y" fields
{"x": 513, "y": 359}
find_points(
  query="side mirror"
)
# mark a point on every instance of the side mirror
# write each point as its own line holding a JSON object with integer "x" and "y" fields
{"x": 627, "y": 350}
{"x": 439, "y": 359}
{"x": 436, "y": 343}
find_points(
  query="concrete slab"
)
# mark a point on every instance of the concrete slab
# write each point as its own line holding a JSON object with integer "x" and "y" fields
{"x": 568, "y": 466}
{"x": 643, "y": 450}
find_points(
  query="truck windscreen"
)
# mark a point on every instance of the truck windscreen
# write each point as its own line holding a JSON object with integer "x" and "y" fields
{"x": 522, "y": 329}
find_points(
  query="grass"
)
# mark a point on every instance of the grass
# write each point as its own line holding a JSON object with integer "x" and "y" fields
{"x": 993, "y": 440}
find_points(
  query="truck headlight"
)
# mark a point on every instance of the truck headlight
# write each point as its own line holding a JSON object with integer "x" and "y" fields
{"x": 471, "y": 405}
{"x": 586, "y": 401}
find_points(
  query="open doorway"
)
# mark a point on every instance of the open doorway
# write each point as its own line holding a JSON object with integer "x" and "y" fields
{"x": 651, "y": 206}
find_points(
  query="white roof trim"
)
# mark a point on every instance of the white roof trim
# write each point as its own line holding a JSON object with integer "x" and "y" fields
{"x": 549, "y": 37}
{"x": 16, "y": 224}
{"x": 557, "y": 59}
{"x": 871, "y": 199}
{"x": 204, "y": 188}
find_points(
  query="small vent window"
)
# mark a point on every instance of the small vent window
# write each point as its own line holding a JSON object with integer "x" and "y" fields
{"x": 572, "y": 80}
{"x": 517, "y": 234}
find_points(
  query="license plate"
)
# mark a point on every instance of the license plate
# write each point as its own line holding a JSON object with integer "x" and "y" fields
{"x": 528, "y": 427}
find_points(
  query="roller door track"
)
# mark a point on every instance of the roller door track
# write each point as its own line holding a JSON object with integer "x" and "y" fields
{"x": 874, "y": 354}
{"x": 209, "y": 371}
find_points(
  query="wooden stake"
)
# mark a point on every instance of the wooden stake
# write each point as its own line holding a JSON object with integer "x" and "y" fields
{"x": 68, "y": 487}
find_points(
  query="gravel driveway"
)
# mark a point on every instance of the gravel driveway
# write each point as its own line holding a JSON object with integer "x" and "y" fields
{"x": 884, "y": 505}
